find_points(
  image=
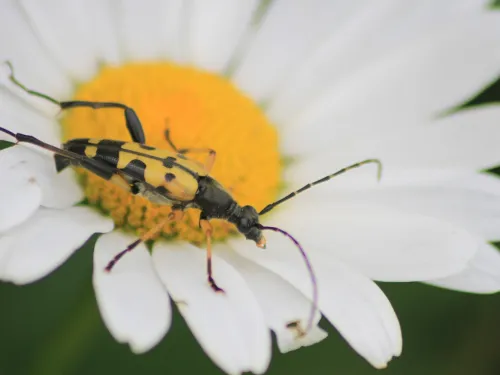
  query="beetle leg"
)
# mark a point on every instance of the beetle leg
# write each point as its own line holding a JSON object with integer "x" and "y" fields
{"x": 207, "y": 228}
{"x": 169, "y": 140}
{"x": 209, "y": 162}
{"x": 174, "y": 215}
{"x": 122, "y": 182}
{"x": 178, "y": 189}
{"x": 177, "y": 214}
{"x": 133, "y": 123}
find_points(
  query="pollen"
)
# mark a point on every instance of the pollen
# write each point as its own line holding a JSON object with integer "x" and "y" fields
{"x": 201, "y": 110}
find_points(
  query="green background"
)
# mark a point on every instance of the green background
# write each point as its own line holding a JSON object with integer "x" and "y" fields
{"x": 53, "y": 327}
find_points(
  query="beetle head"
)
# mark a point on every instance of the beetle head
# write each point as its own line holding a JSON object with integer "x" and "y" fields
{"x": 248, "y": 225}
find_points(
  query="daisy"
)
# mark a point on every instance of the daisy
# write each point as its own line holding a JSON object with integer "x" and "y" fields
{"x": 285, "y": 92}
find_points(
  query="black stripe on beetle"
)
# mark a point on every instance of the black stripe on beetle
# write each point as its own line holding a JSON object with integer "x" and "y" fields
{"x": 76, "y": 147}
{"x": 109, "y": 155}
{"x": 169, "y": 162}
{"x": 163, "y": 190}
{"x": 137, "y": 169}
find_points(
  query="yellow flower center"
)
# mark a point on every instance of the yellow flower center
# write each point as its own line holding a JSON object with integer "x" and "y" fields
{"x": 202, "y": 110}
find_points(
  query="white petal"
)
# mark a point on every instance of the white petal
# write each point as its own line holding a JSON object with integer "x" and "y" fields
{"x": 361, "y": 40}
{"x": 20, "y": 196}
{"x": 58, "y": 190}
{"x": 29, "y": 176}
{"x": 281, "y": 302}
{"x": 415, "y": 83}
{"x": 63, "y": 28}
{"x": 41, "y": 244}
{"x": 462, "y": 141}
{"x": 482, "y": 274}
{"x": 351, "y": 302}
{"x": 486, "y": 183}
{"x": 288, "y": 340}
{"x": 149, "y": 30}
{"x": 32, "y": 62}
{"x": 383, "y": 243}
{"x": 274, "y": 53}
{"x": 476, "y": 211}
{"x": 214, "y": 30}
{"x": 230, "y": 327}
{"x": 85, "y": 27}
{"x": 134, "y": 305}
{"x": 103, "y": 32}
{"x": 62, "y": 190}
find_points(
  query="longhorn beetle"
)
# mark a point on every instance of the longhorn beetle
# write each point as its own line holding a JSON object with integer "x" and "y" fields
{"x": 168, "y": 178}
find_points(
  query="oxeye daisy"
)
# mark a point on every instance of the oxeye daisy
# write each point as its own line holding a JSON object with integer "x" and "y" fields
{"x": 285, "y": 92}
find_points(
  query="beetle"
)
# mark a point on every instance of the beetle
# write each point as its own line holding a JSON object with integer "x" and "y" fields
{"x": 168, "y": 177}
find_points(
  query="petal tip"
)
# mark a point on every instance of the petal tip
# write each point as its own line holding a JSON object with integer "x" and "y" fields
{"x": 289, "y": 341}
{"x": 140, "y": 347}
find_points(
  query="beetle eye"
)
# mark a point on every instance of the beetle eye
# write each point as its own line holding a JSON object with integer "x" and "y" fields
{"x": 244, "y": 225}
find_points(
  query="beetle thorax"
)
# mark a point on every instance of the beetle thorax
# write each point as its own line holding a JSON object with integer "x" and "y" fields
{"x": 213, "y": 200}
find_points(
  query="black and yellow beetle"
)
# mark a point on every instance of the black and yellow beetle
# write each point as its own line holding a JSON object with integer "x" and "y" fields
{"x": 167, "y": 178}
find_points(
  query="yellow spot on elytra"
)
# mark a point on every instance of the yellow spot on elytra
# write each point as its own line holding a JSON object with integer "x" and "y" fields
{"x": 202, "y": 110}
{"x": 90, "y": 151}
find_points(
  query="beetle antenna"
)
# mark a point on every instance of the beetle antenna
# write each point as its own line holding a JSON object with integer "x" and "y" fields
{"x": 270, "y": 206}
{"x": 3, "y": 130}
{"x": 314, "y": 305}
